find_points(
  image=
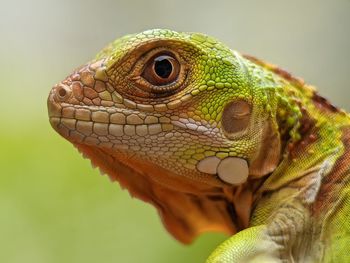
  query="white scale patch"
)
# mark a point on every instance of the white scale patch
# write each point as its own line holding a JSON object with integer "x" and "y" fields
{"x": 231, "y": 170}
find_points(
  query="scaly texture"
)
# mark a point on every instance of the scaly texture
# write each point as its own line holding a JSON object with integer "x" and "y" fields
{"x": 216, "y": 141}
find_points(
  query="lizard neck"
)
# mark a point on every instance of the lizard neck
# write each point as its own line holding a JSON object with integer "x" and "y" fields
{"x": 312, "y": 133}
{"x": 310, "y": 128}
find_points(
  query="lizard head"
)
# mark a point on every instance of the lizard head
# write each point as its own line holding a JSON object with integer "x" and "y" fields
{"x": 177, "y": 118}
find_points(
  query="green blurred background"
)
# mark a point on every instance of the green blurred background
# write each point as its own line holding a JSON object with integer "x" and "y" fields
{"x": 53, "y": 206}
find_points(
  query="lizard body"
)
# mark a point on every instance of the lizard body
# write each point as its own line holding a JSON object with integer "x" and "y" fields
{"x": 216, "y": 141}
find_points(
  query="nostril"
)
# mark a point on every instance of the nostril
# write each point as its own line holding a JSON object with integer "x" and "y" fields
{"x": 62, "y": 92}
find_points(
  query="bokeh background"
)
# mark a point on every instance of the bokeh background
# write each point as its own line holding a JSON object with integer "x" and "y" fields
{"x": 53, "y": 206}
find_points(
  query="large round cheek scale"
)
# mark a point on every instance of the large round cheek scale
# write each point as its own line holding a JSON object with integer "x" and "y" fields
{"x": 233, "y": 170}
{"x": 208, "y": 165}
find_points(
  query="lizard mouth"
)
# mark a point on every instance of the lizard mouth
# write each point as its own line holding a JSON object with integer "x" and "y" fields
{"x": 110, "y": 127}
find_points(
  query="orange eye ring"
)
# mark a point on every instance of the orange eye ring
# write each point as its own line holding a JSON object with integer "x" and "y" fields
{"x": 161, "y": 70}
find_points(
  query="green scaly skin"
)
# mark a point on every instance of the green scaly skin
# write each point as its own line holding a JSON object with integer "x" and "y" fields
{"x": 293, "y": 145}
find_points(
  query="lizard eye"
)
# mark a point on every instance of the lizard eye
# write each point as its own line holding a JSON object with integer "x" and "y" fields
{"x": 159, "y": 72}
{"x": 161, "y": 69}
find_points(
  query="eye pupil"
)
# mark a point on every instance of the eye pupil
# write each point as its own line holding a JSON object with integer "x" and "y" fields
{"x": 163, "y": 67}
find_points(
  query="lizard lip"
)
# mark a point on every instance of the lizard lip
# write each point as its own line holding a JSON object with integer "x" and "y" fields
{"x": 109, "y": 126}
{"x": 99, "y": 125}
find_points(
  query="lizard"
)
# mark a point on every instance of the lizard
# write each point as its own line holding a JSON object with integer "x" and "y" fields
{"x": 215, "y": 140}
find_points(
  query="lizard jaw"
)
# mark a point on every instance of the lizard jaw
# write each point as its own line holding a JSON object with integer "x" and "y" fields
{"x": 119, "y": 127}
